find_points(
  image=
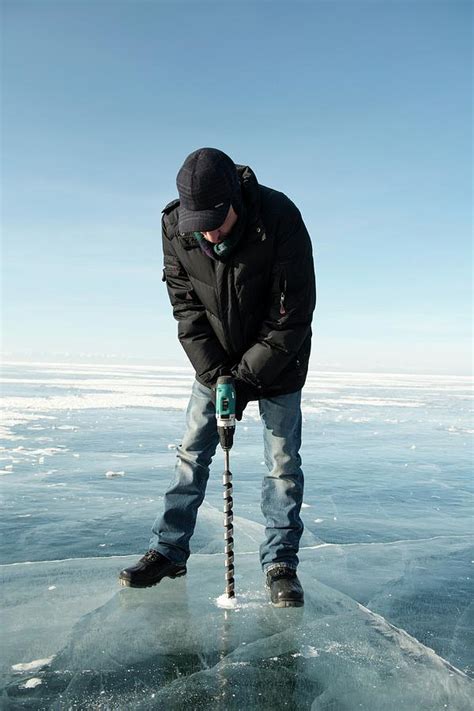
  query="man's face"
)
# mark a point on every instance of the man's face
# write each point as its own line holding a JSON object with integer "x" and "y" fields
{"x": 216, "y": 236}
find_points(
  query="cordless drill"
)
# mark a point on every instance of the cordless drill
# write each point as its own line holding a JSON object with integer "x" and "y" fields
{"x": 225, "y": 411}
{"x": 225, "y": 414}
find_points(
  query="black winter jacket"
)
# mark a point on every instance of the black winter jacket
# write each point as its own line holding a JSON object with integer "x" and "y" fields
{"x": 250, "y": 315}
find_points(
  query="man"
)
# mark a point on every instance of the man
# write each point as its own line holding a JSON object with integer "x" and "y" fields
{"x": 239, "y": 271}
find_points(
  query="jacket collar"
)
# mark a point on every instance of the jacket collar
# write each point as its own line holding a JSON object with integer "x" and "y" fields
{"x": 251, "y": 196}
{"x": 250, "y": 191}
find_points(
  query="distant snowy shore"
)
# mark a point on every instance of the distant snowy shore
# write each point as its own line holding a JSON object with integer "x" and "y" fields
{"x": 33, "y": 391}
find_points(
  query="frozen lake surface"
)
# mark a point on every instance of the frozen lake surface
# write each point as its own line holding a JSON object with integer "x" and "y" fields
{"x": 386, "y": 559}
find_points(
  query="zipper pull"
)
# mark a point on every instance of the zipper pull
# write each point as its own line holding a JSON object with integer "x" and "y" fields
{"x": 282, "y": 304}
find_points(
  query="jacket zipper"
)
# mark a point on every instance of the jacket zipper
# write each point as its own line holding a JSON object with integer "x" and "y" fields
{"x": 226, "y": 330}
{"x": 283, "y": 296}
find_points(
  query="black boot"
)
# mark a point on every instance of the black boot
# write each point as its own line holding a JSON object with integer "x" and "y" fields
{"x": 285, "y": 588}
{"x": 150, "y": 570}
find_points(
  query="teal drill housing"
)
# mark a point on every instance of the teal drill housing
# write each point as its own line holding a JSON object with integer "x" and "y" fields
{"x": 225, "y": 411}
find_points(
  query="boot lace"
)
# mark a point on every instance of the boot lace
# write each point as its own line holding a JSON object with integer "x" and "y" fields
{"x": 151, "y": 556}
{"x": 278, "y": 573}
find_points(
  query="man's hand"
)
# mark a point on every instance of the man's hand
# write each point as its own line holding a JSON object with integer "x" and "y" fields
{"x": 243, "y": 394}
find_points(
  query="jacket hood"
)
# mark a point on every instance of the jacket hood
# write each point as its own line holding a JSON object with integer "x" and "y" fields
{"x": 250, "y": 191}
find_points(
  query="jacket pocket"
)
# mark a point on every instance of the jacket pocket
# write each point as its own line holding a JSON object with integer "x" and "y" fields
{"x": 172, "y": 268}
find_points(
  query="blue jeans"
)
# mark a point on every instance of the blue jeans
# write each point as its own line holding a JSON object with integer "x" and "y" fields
{"x": 282, "y": 486}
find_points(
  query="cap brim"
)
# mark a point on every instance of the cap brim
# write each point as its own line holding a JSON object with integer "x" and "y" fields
{"x": 202, "y": 220}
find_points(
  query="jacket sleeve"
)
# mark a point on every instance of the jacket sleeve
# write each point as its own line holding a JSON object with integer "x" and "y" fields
{"x": 195, "y": 333}
{"x": 288, "y": 320}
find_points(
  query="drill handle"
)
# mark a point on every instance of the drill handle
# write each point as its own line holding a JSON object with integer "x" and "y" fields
{"x": 225, "y": 398}
{"x": 225, "y": 410}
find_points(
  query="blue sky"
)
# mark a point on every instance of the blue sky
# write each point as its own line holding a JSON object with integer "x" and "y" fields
{"x": 359, "y": 111}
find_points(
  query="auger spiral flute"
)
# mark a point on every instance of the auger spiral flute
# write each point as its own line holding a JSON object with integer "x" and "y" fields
{"x": 225, "y": 413}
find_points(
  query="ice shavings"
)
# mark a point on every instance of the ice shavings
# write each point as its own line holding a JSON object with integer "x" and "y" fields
{"x": 226, "y": 603}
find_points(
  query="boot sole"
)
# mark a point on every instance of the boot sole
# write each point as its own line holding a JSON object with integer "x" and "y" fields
{"x": 130, "y": 584}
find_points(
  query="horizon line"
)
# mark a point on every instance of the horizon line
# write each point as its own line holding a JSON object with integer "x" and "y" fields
{"x": 189, "y": 368}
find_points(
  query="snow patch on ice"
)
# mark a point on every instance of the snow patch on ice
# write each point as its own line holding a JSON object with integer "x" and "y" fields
{"x": 6, "y": 434}
{"x": 31, "y": 683}
{"x": 310, "y": 652}
{"x": 86, "y": 401}
{"x": 35, "y": 664}
{"x": 452, "y": 429}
